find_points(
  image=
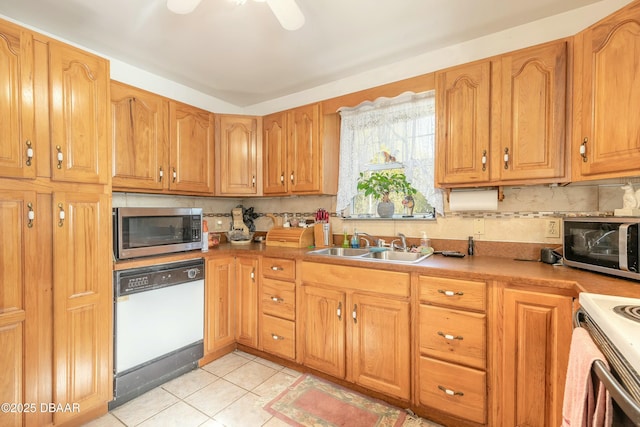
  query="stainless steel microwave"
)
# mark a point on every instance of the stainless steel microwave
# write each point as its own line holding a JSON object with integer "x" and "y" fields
{"x": 140, "y": 232}
{"x": 604, "y": 244}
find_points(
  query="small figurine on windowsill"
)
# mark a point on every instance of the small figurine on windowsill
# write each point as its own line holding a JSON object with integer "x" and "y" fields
{"x": 408, "y": 204}
{"x": 630, "y": 202}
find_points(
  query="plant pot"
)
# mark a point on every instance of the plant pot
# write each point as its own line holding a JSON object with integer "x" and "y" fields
{"x": 385, "y": 209}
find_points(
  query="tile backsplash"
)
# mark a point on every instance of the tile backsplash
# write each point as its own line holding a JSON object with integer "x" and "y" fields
{"x": 521, "y": 217}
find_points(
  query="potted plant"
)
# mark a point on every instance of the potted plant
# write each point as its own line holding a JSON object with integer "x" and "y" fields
{"x": 381, "y": 184}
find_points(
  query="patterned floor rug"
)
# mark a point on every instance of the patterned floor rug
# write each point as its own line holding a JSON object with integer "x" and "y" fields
{"x": 311, "y": 401}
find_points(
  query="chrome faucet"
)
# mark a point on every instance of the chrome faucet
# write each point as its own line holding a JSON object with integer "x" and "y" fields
{"x": 375, "y": 241}
{"x": 403, "y": 243}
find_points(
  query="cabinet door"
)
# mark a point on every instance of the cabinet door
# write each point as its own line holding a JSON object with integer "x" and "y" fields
{"x": 18, "y": 259}
{"x": 219, "y": 304}
{"x": 247, "y": 301}
{"x": 191, "y": 150}
{"x": 381, "y": 344}
{"x": 606, "y": 93}
{"x": 323, "y": 333}
{"x": 16, "y": 102}
{"x": 537, "y": 332}
{"x": 533, "y": 93}
{"x": 304, "y": 149}
{"x": 139, "y": 139}
{"x": 274, "y": 154}
{"x": 82, "y": 301}
{"x": 463, "y": 107}
{"x": 237, "y": 155}
{"x": 79, "y": 99}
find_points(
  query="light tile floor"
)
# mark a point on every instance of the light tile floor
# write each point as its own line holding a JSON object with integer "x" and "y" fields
{"x": 230, "y": 391}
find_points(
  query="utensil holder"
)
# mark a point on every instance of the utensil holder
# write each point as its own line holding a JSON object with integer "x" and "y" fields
{"x": 322, "y": 235}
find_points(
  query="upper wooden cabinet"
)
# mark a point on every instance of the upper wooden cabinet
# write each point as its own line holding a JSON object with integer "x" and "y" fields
{"x": 301, "y": 152}
{"x": 18, "y": 148}
{"x": 237, "y": 154}
{"x": 79, "y": 94}
{"x": 606, "y": 140}
{"x": 528, "y": 139}
{"x": 503, "y": 120}
{"x": 191, "y": 149}
{"x": 140, "y": 138}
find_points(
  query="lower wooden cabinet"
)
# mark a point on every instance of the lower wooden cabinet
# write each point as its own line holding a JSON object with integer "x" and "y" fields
{"x": 278, "y": 336}
{"x": 531, "y": 367}
{"x": 247, "y": 278}
{"x": 219, "y": 333}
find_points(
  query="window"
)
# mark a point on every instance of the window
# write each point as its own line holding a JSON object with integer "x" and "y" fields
{"x": 393, "y": 135}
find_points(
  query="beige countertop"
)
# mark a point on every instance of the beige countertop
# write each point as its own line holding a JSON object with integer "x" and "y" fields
{"x": 516, "y": 272}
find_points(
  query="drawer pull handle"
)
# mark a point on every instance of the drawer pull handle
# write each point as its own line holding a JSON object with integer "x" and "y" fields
{"x": 277, "y": 337}
{"x": 29, "y": 152}
{"x": 339, "y": 311}
{"x": 450, "y": 337}
{"x": 450, "y": 293}
{"x": 277, "y": 299}
{"x": 276, "y": 268}
{"x": 354, "y": 313}
{"x": 31, "y": 215}
{"x": 59, "y": 157}
{"x": 450, "y": 392}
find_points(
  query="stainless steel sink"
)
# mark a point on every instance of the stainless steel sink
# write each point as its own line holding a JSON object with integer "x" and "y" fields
{"x": 368, "y": 255}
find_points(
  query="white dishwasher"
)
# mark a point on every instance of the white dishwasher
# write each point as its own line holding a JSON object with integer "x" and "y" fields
{"x": 158, "y": 327}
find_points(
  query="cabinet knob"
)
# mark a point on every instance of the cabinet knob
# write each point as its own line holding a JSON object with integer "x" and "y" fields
{"x": 31, "y": 215}
{"x": 277, "y": 337}
{"x": 583, "y": 149}
{"x": 61, "y": 215}
{"x": 277, "y": 299}
{"x": 506, "y": 158}
{"x": 354, "y": 313}
{"x": 450, "y": 293}
{"x": 450, "y": 392}
{"x": 291, "y": 177}
{"x": 449, "y": 336}
{"x": 253, "y": 181}
{"x": 59, "y": 156}
{"x": 339, "y": 311}
{"x": 282, "y": 178}
{"x": 175, "y": 175}
{"x": 276, "y": 268}
{"x": 484, "y": 160}
{"x": 29, "y": 152}
{"x": 160, "y": 174}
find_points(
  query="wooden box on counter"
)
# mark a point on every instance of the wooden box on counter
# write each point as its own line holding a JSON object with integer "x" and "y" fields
{"x": 290, "y": 237}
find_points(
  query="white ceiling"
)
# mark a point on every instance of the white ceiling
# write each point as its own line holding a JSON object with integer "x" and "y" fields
{"x": 241, "y": 55}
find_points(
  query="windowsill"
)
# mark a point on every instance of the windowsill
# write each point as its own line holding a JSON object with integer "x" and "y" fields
{"x": 365, "y": 217}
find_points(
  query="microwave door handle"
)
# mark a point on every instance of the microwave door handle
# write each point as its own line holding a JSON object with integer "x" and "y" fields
{"x": 623, "y": 238}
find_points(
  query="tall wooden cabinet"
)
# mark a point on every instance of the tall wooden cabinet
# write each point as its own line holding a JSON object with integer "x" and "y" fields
{"x": 219, "y": 331}
{"x": 502, "y": 120}
{"x": 237, "y": 156}
{"x": 55, "y": 309}
{"x": 247, "y": 286}
{"x": 300, "y": 152}
{"x": 606, "y": 140}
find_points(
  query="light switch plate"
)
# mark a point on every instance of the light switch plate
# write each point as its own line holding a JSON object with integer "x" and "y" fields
{"x": 478, "y": 226}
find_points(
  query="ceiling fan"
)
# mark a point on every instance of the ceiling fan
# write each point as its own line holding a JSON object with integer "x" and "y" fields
{"x": 286, "y": 11}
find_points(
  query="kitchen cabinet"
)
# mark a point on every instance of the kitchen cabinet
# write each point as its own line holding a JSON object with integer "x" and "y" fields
{"x": 278, "y": 307}
{"x": 301, "y": 151}
{"x": 606, "y": 141}
{"x": 247, "y": 286}
{"x": 219, "y": 331}
{"x": 532, "y": 362}
{"x": 139, "y": 121}
{"x": 191, "y": 151}
{"x": 82, "y": 301}
{"x": 502, "y": 120}
{"x": 79, "y": 94}
{"x": 17, "y": 133}
{"x": 356, "y": 326}
{"x": 236, "y": 155}
{"x": 452, "y": 347}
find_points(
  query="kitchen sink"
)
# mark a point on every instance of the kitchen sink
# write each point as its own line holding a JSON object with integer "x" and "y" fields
{"x": 372, "y": 255}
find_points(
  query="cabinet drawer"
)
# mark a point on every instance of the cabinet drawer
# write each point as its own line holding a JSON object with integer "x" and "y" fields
{"x": 453, "y": 335}
{"x": 277, "y": 268}
{"x": 278, "y": 336}
{"x": 454, "y": 389}
{"x": 466, "y": 294}
{"x": 279, "y": 298}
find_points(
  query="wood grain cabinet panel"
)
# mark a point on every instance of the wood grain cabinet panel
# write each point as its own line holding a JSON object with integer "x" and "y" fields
{"x": 247, "y": 286}
{"x": 139, "y": 138}
{"x": 607, "y": 86}
{"x": 219, "y": 331}
{"x": 19, "y": 146}
{"x": 279, "y": 336}
{"x": 274, "y": 154}
{"x": 79, "y": 95}
{"x": 237, "y": 155}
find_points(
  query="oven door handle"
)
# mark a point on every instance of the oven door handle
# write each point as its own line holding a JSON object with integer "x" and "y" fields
{"x": 623, "y": 238}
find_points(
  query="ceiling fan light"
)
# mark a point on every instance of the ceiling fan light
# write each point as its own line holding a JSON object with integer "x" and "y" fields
{"x": 288, "y": 13}
{"x": 182, "y": 7}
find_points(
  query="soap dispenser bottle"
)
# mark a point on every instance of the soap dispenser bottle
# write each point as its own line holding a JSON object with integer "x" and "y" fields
{"x": 354, "y": 239}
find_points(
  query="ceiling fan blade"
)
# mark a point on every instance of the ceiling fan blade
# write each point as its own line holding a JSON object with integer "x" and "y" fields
{"x": 288, "y": 13}
{"x": 182, "y": 7}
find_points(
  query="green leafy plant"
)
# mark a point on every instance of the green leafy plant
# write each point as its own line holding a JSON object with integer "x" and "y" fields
{"x": 380, "y": 184}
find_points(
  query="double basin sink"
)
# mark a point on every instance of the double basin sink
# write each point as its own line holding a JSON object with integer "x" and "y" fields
{"x": 372, "y": 255}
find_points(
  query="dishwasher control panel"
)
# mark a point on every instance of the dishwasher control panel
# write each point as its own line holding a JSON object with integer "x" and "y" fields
{"x": 143, "y": 279}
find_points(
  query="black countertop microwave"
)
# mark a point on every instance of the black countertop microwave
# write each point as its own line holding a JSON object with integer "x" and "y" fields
{"x": 603, "y": 244}
{"x": 140, "y": 232}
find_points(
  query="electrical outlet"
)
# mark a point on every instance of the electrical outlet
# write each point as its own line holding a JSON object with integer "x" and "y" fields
{"x": 552, "y": 228}
{"x": 478, "y": 226}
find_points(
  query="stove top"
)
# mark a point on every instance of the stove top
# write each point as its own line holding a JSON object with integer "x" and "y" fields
{"x": 614, "y": 316}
